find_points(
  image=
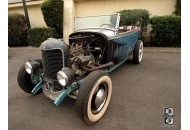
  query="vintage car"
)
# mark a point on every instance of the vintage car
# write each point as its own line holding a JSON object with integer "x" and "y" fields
{"x": 80, "y": 69}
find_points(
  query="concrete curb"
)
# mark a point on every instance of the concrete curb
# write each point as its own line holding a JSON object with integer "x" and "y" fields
{"x": 146, "y": 49}
{"x": 29, "y": 48}
{"x": 162, "y": 49}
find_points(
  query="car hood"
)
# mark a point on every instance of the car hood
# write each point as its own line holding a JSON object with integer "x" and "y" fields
{"x": 109, "y": 33}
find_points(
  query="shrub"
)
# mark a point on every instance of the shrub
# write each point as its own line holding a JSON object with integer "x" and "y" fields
{"x": 134, "y": 17}
{"x": 166, "y": 31}
{"x": 39, "y": 34}
{"x": 52, "y": 11}
{"x": 137, "y": 17}
{"x": 17, "y": 30}
{"x": 178, "y": 8}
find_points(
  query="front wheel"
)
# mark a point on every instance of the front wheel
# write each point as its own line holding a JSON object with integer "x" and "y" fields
{"x": 94, "y": 96}
{"x": 25, "y": 81}
{"x": 138, "y": 52}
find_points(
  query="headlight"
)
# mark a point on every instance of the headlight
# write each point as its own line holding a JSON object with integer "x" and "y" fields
{"x": 62, "y": 78}
{"x": 32, "y": 67}
{"x": 28, "y": 68}
{"x": 65, "y": 76}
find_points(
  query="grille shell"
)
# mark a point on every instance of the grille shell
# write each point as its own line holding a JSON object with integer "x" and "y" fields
{"x": 52, "y": 62}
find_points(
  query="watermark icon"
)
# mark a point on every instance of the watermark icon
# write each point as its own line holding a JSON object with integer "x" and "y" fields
{"x": 168, "y": 117}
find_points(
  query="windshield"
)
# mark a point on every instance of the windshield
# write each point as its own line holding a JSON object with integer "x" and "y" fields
{"x": 101, "y": 21}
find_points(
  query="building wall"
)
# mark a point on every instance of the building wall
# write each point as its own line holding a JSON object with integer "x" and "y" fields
{"x": 78, "y": 8}
{"x": 94, "y": 7}
{"x": 69, "y": 14}
{"x": 34, "y": 12}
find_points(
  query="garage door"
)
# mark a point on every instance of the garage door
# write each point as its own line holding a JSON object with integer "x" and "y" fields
{"x": 95, "y": 7}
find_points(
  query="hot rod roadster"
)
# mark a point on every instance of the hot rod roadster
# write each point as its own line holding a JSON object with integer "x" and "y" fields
{"x": 81, "y": 69}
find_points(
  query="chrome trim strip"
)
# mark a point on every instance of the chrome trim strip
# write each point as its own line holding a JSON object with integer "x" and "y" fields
{"x": 96, "y": 28}
{"x": 127, "y": 33}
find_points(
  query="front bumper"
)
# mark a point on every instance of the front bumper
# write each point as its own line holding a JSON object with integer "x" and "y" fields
{"x": 57, "y": 96}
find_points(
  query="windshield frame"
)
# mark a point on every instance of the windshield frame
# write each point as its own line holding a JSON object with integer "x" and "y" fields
{"x": 114, "y": 29}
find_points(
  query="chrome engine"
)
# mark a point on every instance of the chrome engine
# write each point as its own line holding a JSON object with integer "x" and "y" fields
{"x": 79, "y": 58}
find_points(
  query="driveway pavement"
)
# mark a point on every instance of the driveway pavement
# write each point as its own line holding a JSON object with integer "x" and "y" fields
{"x": 140, "y": 94}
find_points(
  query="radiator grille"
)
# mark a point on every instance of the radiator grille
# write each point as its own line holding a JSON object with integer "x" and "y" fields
{"x": 52, "y": 63}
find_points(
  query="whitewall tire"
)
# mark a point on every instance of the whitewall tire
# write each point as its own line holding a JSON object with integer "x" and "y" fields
{"x": 138, "y": 52}
{"x": 94, "y": 97}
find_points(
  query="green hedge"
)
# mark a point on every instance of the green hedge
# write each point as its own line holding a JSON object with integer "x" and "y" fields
{"x": 166, "y": 31}
{"x": 39, "y": 34}
{"x": 52, "y": 11}
{"x": 135, "y": 17}
{"x": 17, "y": 30}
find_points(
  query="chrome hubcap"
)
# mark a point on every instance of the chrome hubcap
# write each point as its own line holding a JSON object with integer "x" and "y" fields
{"x": 99, "y": 98}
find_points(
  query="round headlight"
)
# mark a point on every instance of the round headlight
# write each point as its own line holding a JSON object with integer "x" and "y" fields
{"x": 28, "y": 68}
{"x": 62, "y": 78}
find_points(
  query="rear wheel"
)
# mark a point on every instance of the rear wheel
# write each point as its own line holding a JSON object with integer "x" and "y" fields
{"x": 138, "y": 52}
{"x": 25, "y": 81}
{"x": 94, "y": 96}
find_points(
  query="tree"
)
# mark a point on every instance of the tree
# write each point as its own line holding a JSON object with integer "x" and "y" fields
{"x": 178, "y": 8}
{"x": 52, "y": 11}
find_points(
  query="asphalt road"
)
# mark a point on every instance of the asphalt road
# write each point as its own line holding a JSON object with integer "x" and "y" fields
{"x": 140, "y": 94}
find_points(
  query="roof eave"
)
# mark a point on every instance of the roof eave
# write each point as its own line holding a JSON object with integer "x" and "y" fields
{"x": 28, "y": 3}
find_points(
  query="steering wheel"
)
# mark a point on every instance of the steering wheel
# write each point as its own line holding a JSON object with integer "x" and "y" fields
{"x": 108, "y": 25}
